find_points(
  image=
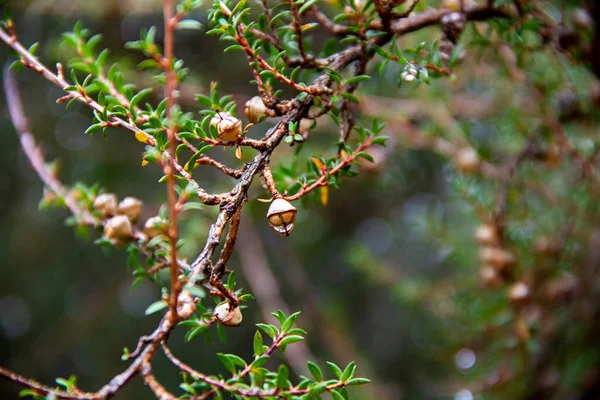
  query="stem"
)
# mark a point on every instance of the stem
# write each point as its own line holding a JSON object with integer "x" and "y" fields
{"x": 171, "y": 82}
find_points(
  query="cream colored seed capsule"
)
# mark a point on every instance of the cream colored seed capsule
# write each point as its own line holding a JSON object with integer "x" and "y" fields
{"x": 304, "y": 127}
{"x": 154, "y": 226}
{"x": 255, "y": 109}
{"x": 130, "y": 207}
{"x": 106, "y": 203}
{"x": 223, "y": 314}
{"x": 228, "y": 127}
{"x": 486, "y": 235}
{"x": 467, "y": 160}
{"x": 282, "y": 216}
{"x": 118, "y": 228}
{"x": 518, "y": 293}
{"x": 496, "y": 257}
{"x": 185, "y": 305}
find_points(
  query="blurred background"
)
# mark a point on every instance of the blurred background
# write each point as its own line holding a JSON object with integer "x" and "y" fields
{"x": 387, "y": 273}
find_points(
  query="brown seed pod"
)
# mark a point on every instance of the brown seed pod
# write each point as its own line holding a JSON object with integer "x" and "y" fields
{"x": 282, "y": 216}
{"x": 255, "y": 109}
{"x": 130, "y": 207}
{"x": 229, "y": 128}
{"x": 223, "y": 314}
{"x": 106, "y": 203}
{"x": 118, "y": 228}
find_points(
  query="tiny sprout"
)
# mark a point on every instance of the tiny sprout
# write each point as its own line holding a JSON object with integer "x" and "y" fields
{"x": 281, "y": 216}
{"x": 223, "y": 314}
{"x": 106, "y": 203}
{"x": 255, "y": 109}
{"x": 130, "y": 207}
{"x": 228, "y": 127}
{"x": 154, "y": 226}
{"x": 118, "y": 228}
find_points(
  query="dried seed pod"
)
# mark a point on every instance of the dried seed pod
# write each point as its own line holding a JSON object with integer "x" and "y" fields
{"x": 255, "y": 109}
{"x": 130, "y": 207}
{"x": 118, "y": 228}
{"x": 223, "y": 314}
{"x": 281, "y": 216}
{"x": 106, "y": 203}
{"x": 228, "y": 127}
{"x": 154, "y": 226}
{"x": 467, "y": 160}
{"x": 486, "y": 235}
{"x": 518, "y": 293}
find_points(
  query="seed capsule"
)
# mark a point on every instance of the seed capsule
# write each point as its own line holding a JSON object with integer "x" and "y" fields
{"x": 281, "y": 216}
{"x": 130, "y": 207}
{"x": 222, "y": 313}
{"x": 118, "y": 228}
{"x": 255, "y": 109}
{"x": 228, "y": 127}
{"x": 518, "y": 293}
{"x": 154, "y": 226}
{"x": 106, "y": 203}
{"x": 467, "y": 160}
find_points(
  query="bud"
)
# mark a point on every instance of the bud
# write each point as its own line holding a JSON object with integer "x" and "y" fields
{"x": 106, "y": 203}
{"x": 518, "y": 293}
{"x": 490, "y": 278}
{"x": 486, "y": 235}
{"x": 467, "y": 160}
{"x": 118, "y": 228}
{"x": 304, "y": 127}
{"x": 409, "y": 74}
{"x": 582, "y": 19}
{"x": 223, "y": 315}
{"x": 496, "y": 257}
{"x": 255, "y": 109}
{"x": 154, "y": 226}
{"x": 130, "y": 207}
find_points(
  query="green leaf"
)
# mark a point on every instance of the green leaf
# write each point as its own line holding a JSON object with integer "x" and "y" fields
{"x": 358, "y": 381}
{"x": 315, "y": 371}
{"x": 336, "y": 370}
{"x": 282, "y": 377}
{"x": 156, "y": 306}
{"x": 336, "y": 395}
{"x": 348, "y": 372}
{"x": 227, "y": 362}
{"x": 268, "y": 329}
{"x": 189, "y": 24}
{"x": 356, "y": 79}
{"x": 289, "y": 322}
{"x": 290, "y": 339}
{"x": 258, "y": 343}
